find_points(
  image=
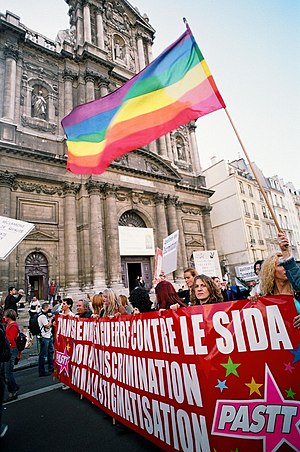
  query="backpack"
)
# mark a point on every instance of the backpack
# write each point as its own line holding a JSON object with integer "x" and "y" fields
{"x": 21, "y": 341}
{"x": 5, "y": 353}
{"x": 34, "y": 327}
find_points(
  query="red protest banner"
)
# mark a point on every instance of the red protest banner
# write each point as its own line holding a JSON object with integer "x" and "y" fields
{"x": 221, "y": 377}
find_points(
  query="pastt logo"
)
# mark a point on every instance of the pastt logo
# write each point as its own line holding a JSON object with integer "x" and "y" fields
{"x": 272, "y": 419}
{"x": 62, "y": 360}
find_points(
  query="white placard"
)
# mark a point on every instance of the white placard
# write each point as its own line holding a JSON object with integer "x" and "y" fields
{"x": 246, "y": 272}
{"x": 12, "y": 232}
{"x": 207, "y": 263}
{"x": 170, "y": 244}
{"x": 136, "y": 241}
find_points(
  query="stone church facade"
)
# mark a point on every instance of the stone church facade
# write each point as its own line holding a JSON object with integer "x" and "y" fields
{"x": 76, "y": 239}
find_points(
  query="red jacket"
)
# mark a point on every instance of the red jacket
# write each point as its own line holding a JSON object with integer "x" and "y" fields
{"x": 12, "y": 331}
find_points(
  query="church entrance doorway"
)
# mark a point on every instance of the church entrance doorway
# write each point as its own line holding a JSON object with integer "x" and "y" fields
{"x": 36, "y": 276}
{"x": 133, "y": 266}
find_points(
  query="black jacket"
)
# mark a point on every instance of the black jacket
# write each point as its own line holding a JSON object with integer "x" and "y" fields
{"x": 11, "y": 302}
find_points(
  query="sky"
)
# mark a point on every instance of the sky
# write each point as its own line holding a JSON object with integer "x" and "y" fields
{"x": 253, "y": 51}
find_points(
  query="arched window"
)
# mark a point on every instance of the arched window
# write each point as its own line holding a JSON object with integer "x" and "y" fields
{"x": 131, "y": 219}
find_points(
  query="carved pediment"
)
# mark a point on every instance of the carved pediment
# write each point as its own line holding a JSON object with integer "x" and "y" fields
{"x": 39, "y": 235}
{"x": 194, "y": 243}
{"x": 144, "y": 162}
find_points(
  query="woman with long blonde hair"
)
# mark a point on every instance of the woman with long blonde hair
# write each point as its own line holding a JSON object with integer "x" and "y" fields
{"x": 273, "y": 278}
{"x": 111, "y": 306}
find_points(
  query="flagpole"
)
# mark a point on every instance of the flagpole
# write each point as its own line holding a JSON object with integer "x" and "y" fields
{"x": 254, "y": 172}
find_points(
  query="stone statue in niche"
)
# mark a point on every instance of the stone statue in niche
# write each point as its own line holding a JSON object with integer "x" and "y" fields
{"x": 119, "y": 48}
{"x": 39, "y": 105}
{"x": 180, "y": 149}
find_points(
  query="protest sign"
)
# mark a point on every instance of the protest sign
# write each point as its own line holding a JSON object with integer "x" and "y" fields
{"x": 207, "y": 263}
{"x": 219, "y": 377}
{"x": 12, "y": 232}
{"x": 158, "y": 265}
{"x": 246, "y": 272}
{"x": 170, "y": 243}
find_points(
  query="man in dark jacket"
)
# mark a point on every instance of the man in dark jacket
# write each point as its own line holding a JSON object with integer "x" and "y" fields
{"x": 12, "y": 299}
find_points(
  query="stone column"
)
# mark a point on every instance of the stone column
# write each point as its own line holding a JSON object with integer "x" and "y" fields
{"x": 173, "y": 226}
{"x": 79, "y": 26}
{"x": 103, "y": 83}
{"x": 149, "y": 49}
{"x": 89, "y": 85}
{"x": 6, "y": 184}
{"x": 183, "y": 263}
{"x": 11, "y": 54}
{"x": 87, "y": 32}
{"x": 70, "y": 230}
{"x": 51, "y": 109}
{"x": 169, "y": 146}
{"x": 161, "y": 221}
{"x": 100, "y": 29}
{"x": 140, "y": 48}
{"x": 98, "y": 258}
{"x": 68, "y": 77}
{"x": 195, "y": 153}
{"x": 209, "y": 238}
{"x": 112, "y": 237}
{"x": 163, "y": 147}
{"x": 28, "y": 97}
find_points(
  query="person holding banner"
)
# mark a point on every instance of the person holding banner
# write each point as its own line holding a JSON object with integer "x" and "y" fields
{"x": 188, "y": 275}
{"x": 111, "y": 306}
{"x": 274, "y": 280}
{"x": 205, "y": 291}
{"x": 140, "y": 300}
{"x": 292, "y": 269}
{"x": 166, "y": 296}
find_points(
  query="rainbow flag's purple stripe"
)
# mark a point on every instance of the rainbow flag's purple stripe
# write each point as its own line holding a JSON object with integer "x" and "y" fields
{"x": 174, "y": 89}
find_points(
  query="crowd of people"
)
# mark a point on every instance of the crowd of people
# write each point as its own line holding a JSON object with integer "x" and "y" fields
{"x": 278, "y": 274}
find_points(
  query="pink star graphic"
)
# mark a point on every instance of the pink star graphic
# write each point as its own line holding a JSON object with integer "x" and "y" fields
{"x": 272, "y": 419}
{"x": 62, "y": 360}
{"x": 288, "y": 367}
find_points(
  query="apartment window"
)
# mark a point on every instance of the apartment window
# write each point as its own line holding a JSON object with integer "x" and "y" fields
{"x": 260, "y": 196}
{"x": 286, "y": 222}
{"x": 246, "y": 210}
{"x": 242, "y": 190}
{"x": 264, "y": 211}
{"x": 250, "y": 191}
{"x": 251, "y": 236}
{"x": 258, "y": 234}
{"x": 281, "y": 202}
{"x": 254, "y": 211}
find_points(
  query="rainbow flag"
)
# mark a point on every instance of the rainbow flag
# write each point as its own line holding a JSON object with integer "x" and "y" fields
{"x": 174, "y": 89}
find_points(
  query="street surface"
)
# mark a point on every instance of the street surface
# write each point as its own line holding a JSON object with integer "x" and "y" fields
{"x": 46, "y": 418}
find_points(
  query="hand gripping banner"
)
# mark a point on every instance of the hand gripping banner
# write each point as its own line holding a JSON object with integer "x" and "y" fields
{"x": 222, "y": 377}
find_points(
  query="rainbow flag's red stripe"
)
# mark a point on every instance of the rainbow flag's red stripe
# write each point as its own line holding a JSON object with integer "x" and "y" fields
{"x": 174, "y": 89}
